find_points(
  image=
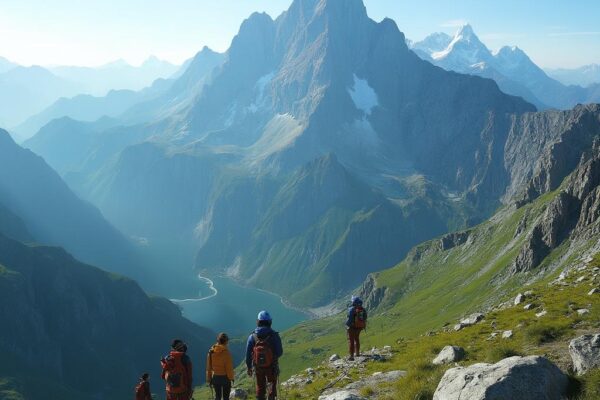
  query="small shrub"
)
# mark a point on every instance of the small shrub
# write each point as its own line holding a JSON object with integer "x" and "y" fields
{"x": 500, "y": 352}
{"x": 367, "y": 391}
{"x": 542, "y": 333}
{"x": 590, "y": 385}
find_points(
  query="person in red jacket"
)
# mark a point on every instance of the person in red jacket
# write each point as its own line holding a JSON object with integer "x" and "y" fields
{"x": 142, "y": 390}
{"x": 177, "y": 372}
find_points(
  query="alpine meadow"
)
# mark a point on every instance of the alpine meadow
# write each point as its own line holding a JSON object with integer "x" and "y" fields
{"x": 299, "y": 199}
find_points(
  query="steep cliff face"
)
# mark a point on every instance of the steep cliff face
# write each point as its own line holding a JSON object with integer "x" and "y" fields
{"x": 80, "y": 327}
{"x": 543, "y": 148}
{"x": 571, "y": 215}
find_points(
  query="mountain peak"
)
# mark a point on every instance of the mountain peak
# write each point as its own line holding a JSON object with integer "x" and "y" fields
{"x": 464, "y": 45}
{"x": 466, "y": 31}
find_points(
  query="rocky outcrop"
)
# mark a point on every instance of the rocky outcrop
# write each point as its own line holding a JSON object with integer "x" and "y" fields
{"x": 453, "y": 239}
{"x": 468, "y": 321}
{"x": 449, "y": 354}
{"x": 543, "y": 148}
{"x": 371, "y": 293}
{"x": 515, "y": 378}
{"x": 575, "y": 208}
{"x": 585, "y": 353}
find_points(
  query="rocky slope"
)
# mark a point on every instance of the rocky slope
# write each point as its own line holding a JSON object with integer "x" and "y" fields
{"x": 87, "y": 332}
{"x": 424, "y": 304}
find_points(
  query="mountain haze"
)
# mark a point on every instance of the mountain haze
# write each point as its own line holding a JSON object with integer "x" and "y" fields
{"x": 321, "y": 100}
{"x": 320, "y": 79}
{"x": 52, "y": 214}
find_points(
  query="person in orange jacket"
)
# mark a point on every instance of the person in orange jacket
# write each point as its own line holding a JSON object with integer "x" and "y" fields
{"x": 219, "y": 368}
{"x": 177, "y": 372}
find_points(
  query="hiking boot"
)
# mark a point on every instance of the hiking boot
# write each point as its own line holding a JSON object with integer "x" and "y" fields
{"x": 351, "y": 358}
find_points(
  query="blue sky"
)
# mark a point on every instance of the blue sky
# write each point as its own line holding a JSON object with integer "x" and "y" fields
{"x": 92, "y": 32}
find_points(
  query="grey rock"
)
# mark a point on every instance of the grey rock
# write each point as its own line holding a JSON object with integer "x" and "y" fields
{"x": 519, "y": 299}
{"x": 472, "y": 319}
{"x": 593, "y": 291}
{"x": 541, "y": 314}
{"x": 507, "y": 334}
{"x": 585, "y": 352}
{"x": 238, "y": 394}
{"x": 334, "y": 357}
{"x": 342, "y": 395}
{"x": 583, "y": 311}
{"x": 528, "y": 306}
{"x": 449, "y": 354}
{"x": 515, "y": 378}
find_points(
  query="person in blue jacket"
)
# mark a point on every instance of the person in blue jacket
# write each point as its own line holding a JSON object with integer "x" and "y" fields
{"x": 263, "y": 351}
{"x": 356, "y": 322}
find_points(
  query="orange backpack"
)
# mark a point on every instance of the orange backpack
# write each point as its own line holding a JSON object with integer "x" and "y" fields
{"x": 175, "y": 373}
{"x": 262, "y": 354}
{"x": 360, "y": 320}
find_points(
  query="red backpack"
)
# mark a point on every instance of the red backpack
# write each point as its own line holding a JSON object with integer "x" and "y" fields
{"x": 360, "y": 320}
{"x": 175, "y": 373}
{"x": 141, "y": 391}
{"x": 262, "y": 354}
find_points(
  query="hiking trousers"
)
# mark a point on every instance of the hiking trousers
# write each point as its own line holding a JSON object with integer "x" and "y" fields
{"x": 353, "y": 341}
{"x": 222, "y": 386}
{"x": 266, "y": 383}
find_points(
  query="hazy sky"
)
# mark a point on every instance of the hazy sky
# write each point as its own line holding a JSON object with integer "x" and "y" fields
{"x": 555, "y": 33}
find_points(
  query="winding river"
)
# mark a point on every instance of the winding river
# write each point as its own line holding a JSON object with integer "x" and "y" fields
{"x": 225, "y": 306}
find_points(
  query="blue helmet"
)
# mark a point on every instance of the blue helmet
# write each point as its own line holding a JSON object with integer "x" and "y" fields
{"x": 264, "y": 316}
{"x": 355, "y": 300}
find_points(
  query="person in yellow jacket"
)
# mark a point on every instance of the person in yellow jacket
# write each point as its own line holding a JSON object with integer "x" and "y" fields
{"x": 219, "y": 368}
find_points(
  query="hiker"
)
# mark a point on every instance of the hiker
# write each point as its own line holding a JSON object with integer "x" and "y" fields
{"x": 356, "y": 322}
{"x": 219, "y": 368}
{"x": 142, "y": 390}
{"x": 262, "y": 357}
{"x": 177, "y": 372}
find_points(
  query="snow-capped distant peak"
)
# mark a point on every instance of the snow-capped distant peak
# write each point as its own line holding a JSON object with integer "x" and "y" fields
{"x": 466, "y": 46}
{"x": 435, "y": 42}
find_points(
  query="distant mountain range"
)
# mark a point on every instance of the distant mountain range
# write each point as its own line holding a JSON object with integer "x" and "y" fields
{"x": 583, "y": 76}
{"x": 25, "y": 91}
{"x": 97, "y": 81}
{"x": 321, "y": 102}
{"x": 510, "y": 67}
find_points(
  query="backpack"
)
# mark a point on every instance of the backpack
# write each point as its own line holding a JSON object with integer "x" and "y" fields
{"x": 140, "y": 391}
{"x": 175, "y": 373}
{"x": 360, "y": 317}
{"x": 262, "y": 354}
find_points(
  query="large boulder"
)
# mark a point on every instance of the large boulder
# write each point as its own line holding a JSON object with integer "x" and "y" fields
{"x": 449, "y": 354}
{"x": 585, "y": 353}
{"x": 515, "y": 378}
